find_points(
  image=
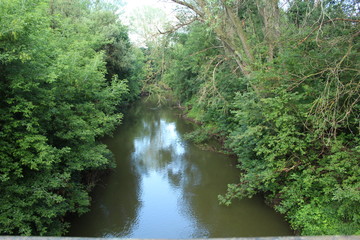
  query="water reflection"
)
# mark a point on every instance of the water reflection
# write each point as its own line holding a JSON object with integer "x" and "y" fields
{"x": 159, "y": 157}
{"x": 164, "y": 187}
{"x": 159, "y": 146}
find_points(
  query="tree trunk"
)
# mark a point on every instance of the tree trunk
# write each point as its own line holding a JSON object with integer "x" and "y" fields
{"x": 269, "y": 10}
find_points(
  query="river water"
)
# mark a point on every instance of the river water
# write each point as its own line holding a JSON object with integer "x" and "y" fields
{"x": 166, "y": 187}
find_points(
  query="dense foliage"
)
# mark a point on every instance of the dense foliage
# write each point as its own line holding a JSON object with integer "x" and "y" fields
{"x": 281, "y": 87}
{"x": 63, "y": 66}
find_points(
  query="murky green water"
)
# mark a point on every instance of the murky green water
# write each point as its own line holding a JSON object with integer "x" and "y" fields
{"x": 165, "y": 187}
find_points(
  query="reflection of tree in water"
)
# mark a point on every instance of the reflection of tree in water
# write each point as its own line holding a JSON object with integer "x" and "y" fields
{"x": 150, "y": 132}
{"x": 150, "y": 141}
{"x": 159, "y": 147}
{"x": 201, "y": 176}
{"x": 115, "y": 202}
{"x": 157, "y": 143}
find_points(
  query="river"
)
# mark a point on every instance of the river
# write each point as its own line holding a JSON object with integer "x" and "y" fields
{"x": 166, "y": 187}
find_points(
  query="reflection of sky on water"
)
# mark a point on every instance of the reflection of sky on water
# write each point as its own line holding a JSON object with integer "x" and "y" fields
{"x": 178, "y": 188}
{"x": 159, "y": 147}
{"x": 165, "y": 187}
{"x": 160, "y": 157}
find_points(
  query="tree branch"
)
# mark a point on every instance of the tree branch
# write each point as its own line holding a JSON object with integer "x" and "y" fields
{"x": 190, "y": 6}
{"x": 178, "y": 26}
{"x": 329, "y": 21}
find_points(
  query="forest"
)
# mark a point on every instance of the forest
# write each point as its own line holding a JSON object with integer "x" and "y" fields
{"x": 276, "y": 82}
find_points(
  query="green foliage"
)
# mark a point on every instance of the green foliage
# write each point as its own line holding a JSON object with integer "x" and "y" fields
{"x": 55, "y": 103}
{"x": 201, "y": 79}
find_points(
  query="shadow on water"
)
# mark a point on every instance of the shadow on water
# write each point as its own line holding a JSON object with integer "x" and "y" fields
{"x": 165, "y": 187}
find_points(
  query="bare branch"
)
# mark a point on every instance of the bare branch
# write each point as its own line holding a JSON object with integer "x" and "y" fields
{"x": 178, "y": 26}
{"x": 329, "y": 21}
{"x": 204, "y": 50}
{"x": 190, "y": 6}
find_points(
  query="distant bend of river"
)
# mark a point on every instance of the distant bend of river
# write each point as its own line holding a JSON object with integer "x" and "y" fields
{"x": 166, "y": 187}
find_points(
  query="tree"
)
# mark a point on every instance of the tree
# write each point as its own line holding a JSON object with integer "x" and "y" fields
{"x": 55, "y": 104}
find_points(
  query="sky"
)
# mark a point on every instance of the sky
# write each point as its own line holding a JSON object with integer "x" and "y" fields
{"x": 131, "y": 6}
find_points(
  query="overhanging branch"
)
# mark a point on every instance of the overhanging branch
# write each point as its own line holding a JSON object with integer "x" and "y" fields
{"x": 178, "y": 26}
{"x": 190, "y": 6}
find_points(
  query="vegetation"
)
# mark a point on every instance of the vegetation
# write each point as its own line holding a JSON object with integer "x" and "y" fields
{"x": 277, "y": 81}
{"x": 280, "y": 85}
{"x": 63, "y": 66}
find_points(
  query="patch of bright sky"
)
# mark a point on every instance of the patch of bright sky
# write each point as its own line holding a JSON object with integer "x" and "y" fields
{"x": 130, "y": 7}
